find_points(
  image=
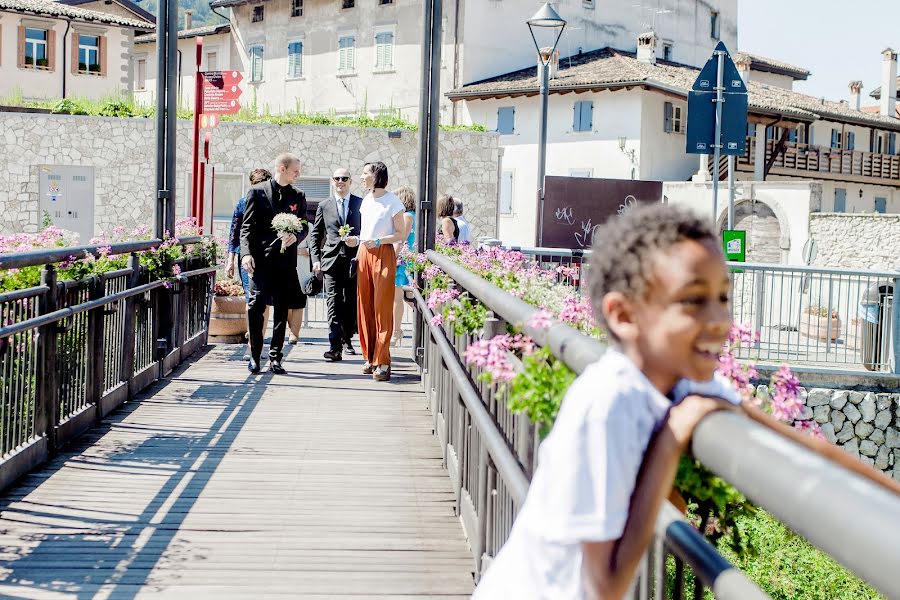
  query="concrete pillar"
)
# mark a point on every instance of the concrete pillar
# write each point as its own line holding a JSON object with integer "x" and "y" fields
{"x": 703, "y": 175}
{"x": 759, "y": 157}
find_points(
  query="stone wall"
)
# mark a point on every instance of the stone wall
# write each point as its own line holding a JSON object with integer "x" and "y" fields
{"x": 865, "y": 424}
{"x": 856, "y": 241}
{"x": 122, "y": 152}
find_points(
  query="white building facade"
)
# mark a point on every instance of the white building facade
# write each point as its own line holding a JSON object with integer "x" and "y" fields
{"x": 50, "y": 50}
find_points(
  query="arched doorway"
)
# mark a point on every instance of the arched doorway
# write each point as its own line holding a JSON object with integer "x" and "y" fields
{"x": 763, "y": 231}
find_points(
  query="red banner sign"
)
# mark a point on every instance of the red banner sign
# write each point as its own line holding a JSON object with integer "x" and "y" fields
{"x": 221, "y": 92}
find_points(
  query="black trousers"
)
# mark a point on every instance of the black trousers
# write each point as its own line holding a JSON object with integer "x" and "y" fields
{"x": 340, "y": 300}
{"x": 263, "y": 290}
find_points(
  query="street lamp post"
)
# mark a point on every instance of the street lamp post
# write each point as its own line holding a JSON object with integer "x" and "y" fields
{"x": 545, "y": 18}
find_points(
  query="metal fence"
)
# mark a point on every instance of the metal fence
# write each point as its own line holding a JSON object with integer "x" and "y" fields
{"x": 490, "y": 454}
{"x": 804, "y": 315}
{"x": 72, "y": 351}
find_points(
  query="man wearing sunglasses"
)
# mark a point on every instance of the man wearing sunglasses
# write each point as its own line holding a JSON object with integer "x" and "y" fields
{"x": 334, "y": 256}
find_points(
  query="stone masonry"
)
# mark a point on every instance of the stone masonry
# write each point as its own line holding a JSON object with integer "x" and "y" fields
{"x": 856, "y": 241}
{"x": 865, "y": 424}
{"x": 122, "y": 152}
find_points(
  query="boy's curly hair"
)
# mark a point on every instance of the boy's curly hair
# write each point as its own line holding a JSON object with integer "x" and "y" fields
{"x": 623, "y": 247}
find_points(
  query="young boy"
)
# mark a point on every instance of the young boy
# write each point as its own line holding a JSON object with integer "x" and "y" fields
{"x": 660, "y": 288}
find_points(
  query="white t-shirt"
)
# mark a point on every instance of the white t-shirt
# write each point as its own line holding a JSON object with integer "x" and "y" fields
{"x": 465, "y": 230}
{"x": 587, "y": 471}
{"x": 377, "y": 215}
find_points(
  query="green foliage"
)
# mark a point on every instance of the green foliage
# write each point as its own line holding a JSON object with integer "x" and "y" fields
{"x": 538, "y": 389}
{"x": 467, "y": 315}
{"x": 69, "y": 107}
{"x": 789, "y": 567}
{"x": 46, "y": 220}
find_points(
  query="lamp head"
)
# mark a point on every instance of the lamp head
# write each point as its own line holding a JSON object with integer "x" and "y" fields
{"x": 546, "y": 16}
{"x": 622, "y": 140}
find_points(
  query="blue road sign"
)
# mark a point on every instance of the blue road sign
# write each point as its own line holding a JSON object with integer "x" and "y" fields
{"x": 701, "y": 126}
{"x": 701, "y": 122}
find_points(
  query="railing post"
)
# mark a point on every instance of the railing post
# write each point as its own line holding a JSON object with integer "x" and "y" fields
{"x": 96, "y": 364}
{"x": 46, "y": 414}
{"x": 895, "y": 323}
{"x": 128, "y": 324}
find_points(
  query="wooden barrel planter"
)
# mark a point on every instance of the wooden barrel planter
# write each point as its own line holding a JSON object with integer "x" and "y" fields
{"x": 228, "y": 319}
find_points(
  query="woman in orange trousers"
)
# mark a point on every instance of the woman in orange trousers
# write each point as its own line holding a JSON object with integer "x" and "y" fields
{"x": 381, "y": 226}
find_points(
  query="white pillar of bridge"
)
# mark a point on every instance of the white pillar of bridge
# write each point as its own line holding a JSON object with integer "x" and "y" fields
{"x": 759, "y": 157}
{"x": 702, "y": 175}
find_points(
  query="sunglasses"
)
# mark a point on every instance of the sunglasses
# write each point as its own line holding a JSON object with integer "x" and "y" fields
{"x": 341, "y": 178}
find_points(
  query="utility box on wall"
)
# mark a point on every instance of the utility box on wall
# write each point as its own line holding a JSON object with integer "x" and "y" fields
{"x": 67, "y": 195}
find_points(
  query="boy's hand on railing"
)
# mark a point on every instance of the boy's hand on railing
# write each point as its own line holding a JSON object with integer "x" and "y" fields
{"x": 684, "y": 416}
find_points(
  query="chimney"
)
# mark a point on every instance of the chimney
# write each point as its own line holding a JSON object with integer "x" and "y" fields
{"x": 855, "y": 92}
{"x": 742, "y": 62}
{"x": 188, "y": 19}
{"x": 554, "y": 62}
{"x": 889, "y": 83}
{"x": 646, "y": 48}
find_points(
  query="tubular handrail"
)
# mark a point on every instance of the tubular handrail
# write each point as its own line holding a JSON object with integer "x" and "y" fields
{"x": 63, "y": 313}
{"x": 32, "y": 292}
{"x": 586, "y": 254}
{"x": 17, "y": 260}
{"x": 707, "y": 563}
{"x": 745, "y": 454}
{"x": 507, "y": 464}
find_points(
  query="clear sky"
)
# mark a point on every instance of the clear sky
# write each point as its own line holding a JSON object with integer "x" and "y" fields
{"x": 838, "y": 41}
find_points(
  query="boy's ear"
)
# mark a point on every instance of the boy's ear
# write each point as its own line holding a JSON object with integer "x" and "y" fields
{"x": 618, "y": 311}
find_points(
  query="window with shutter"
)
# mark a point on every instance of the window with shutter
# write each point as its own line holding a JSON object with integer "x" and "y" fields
{"x": 296, "y": 8}
{"x": 384, "y": 50}
{"x": 506, "y": 192}
{"x": 892, "y": 144}
{"x": 584, "y": 110}
{"x": 506, "y": 120}
{"x": 835, "y": 139}
{"x": 259, "y": 14}
{"x": 89, "y": 54}
{"x": 714, "y": 25}
{"x": 668, "y": 109}
{"x": 346, "y": 54}
{"x": 881, "y": 205}
{"x": 840, "y": 200}
{"x": 256, "y": 63}
{"x": 35, "y": 53}
{"x": 677, "y": 119}
{"x": 295, "y": 59}
{"x": 851, "y": 140}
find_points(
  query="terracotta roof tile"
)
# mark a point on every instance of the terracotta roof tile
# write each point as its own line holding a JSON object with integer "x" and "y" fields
{"x": 608, "y": 68}
{"x": 762, "y": 63}
{"x": 187, "y": 33}
{"x": 56, "y": 9}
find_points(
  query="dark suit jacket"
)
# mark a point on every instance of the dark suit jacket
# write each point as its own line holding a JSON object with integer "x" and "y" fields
{"x": 258, "y": 239}
{"x": 325, "y": 244}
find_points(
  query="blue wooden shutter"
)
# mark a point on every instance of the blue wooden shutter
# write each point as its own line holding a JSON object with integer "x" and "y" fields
{"x": 835, "y": 138}
{"x": 881, "y": 205}
{"x": 668, "y": 111}
{"x": 851, "y": 140}
{"x": 576, "y": 117}
{"x": 892, "y": 144}
{"x": 587, "y": 115}
{"x": 506, "y": 120}
{"x": 840, "y": 200}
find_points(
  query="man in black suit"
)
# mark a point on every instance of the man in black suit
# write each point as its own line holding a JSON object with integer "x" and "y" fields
{"x": 334, "y": 257}
{"x": 269, "y": 259}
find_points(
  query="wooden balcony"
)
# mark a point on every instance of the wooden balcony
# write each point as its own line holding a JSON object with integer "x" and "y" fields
{"x": 819, "y": 162}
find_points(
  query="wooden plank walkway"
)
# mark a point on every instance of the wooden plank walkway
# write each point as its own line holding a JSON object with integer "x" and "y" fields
{"x": 319, "y": 484}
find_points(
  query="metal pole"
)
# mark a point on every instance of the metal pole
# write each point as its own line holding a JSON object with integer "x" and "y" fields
{"x": 196, "y": 209}
{"x": 542, "y": 149}
{"x": 161, "y": 73}
{"x": 171, "y": 112}
{"x": 731, "y": 192}
{"x": 434, "y": 120}
{"x": 717, "y": 146}
{"x": 424, "y": 111}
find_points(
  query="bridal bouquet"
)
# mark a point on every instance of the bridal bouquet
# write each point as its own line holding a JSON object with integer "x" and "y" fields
{"x": 285, "y": 224}
{"x": 344, "y": 231}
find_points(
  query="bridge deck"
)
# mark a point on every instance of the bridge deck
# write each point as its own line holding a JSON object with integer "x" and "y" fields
{"x": 319, "y": 484}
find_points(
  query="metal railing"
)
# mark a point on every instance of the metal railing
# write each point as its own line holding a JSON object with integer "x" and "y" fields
{"x": 72, "y": 351}
{"x": 804, "y": 315}
{"x": 490, "y": 454}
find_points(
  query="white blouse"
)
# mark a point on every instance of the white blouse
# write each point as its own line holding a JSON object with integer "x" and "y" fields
{"x": 377, "y": 215}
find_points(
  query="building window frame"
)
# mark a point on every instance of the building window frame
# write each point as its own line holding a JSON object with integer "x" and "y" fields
{"x": 583, "y": 119}
{"x": 673, "y": 118}
{"x": 295, "y": 66}
{"x": 667, "y": 51}
{"x": 140, "y": 74}
{"x": 384, "y": 48}
{"x": 256, "y": 62}
{"x": 259, "y": 13}
{"x": 296, "y": 8}
{"x": 34, "y": 44}
{"x": 715, "y": 31}
{"x": 346, "y": 54}
{"x": 345, "y": 4}
{"x": 507, "y": 183}
{"x": 88, "y": 48}
{"x": 840, "y": 200}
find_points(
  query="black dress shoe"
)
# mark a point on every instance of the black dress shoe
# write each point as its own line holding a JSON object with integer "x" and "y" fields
{"x": 253, "y": 365}
{"x": 348, "y": 348}
{"x": 333, "y": 355}
{"x": 275, "y": 367}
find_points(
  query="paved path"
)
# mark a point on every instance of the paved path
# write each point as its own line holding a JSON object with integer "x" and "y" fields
{"x": 319, "y": 484}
